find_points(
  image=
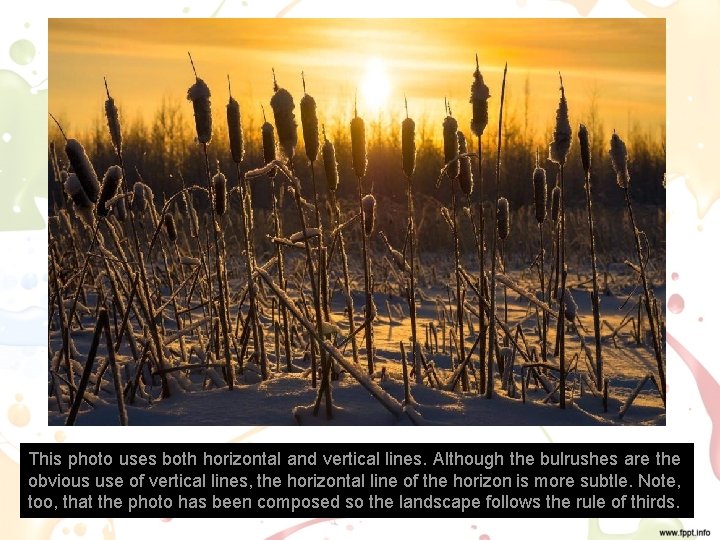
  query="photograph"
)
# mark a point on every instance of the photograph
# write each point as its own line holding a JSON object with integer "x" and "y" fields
{"x": 356, "y": 222}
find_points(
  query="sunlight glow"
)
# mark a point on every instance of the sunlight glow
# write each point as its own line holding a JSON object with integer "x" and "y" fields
{"x": 375, "y": 86}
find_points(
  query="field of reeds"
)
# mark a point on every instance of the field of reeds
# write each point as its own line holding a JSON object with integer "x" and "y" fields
{"x": 269, "y": 282}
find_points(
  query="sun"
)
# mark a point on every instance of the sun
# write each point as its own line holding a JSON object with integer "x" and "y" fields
{"x": 375, "y": 85}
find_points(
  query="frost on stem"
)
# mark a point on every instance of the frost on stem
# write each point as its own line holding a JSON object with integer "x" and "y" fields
{"x": 465, "y": 177}
{"x": 368, "y": 208}
{"x": 396, "y": 255}
{"x": 307, "y": 234}
{"x": 618, "y": 157}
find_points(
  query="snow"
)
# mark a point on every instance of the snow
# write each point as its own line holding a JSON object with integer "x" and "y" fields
{"x": 200, "y": 395}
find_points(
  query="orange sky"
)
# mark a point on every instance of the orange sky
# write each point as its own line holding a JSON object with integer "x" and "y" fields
{"x": 619, "y": 61}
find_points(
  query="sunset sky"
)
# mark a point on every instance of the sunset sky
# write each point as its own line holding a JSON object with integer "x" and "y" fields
{"x": 620, "y": 62}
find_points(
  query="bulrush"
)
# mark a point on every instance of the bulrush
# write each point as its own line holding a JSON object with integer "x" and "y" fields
{"x": 113, "y": 120}
{"x": 220, "y": 193}
{"x": 170, "y": 229}
{"x": 408, "y": 164}
{"x": 234, "y": 122}
{"x": 618, "y": 158}
{"x": 82, "y": 167}
{"x": 450, "y": 143}
{"x": 330, "y": 164}
{"x": 142, "y": 195}
{"x": 77, "y": 193}
{"x": 357, "y": 140}
{"x": 584, "y": 148}
{"x": 120, "y": 210}
{"x": 594, "y": 295}
{"x": 309, "y": 121}
{"x": 479, "y": 95}
{"x": 408, "y": 144}
{"x": 83, "y": 205}
{"x": 268, "y": 143}
{"x": 559, "y": 149}
{"x": 555, "y": 204}
{"x": 111, "y": 183}
{"x": 540, "y": 199}
{"x": 562, "y": 134}
{"x": 503, "y": 218}
{"x": 283, "y": 106}
{"x": 199, "y": 94}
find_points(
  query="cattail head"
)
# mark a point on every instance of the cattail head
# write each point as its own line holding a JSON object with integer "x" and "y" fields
{"x": 83, "y": 169}
{"x": 540, "y": 191}
{"x": 83, "y": 205}
{"x": 555, "y": 204}
{"x": 368, "y": 209}
{"x": 283, "y": 106}
{"x": 330, "y": 164}
{"x": 584, "y": 148}
{"x": 450, "y": 145}
{"x": 408, "y": 144}
{"x": 110, "y": 185}
{"x": 268, "y": 143}
{"x": 465, "y": 177}
{"x": 479, "y": 95}
{"x": 142, "y": 197}
{"x": 77, "y": 193}
{"x": 503, "y": 218}
{"x": 219, "y": 193}
{"x": 357, "y": 140}
{"x": 170, "y": 229}
{"x": 120, "y": 209}
{"x": 618, "y": 158}
{"x": 309, "y": 121}
{"x": 113, "y": 120}
{"x": 237, "y": 147}
{"x": 562, "y": 134}
{"x": 199, "y": 94}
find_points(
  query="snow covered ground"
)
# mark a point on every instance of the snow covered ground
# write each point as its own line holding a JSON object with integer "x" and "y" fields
{"x": 199, "y": 397}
